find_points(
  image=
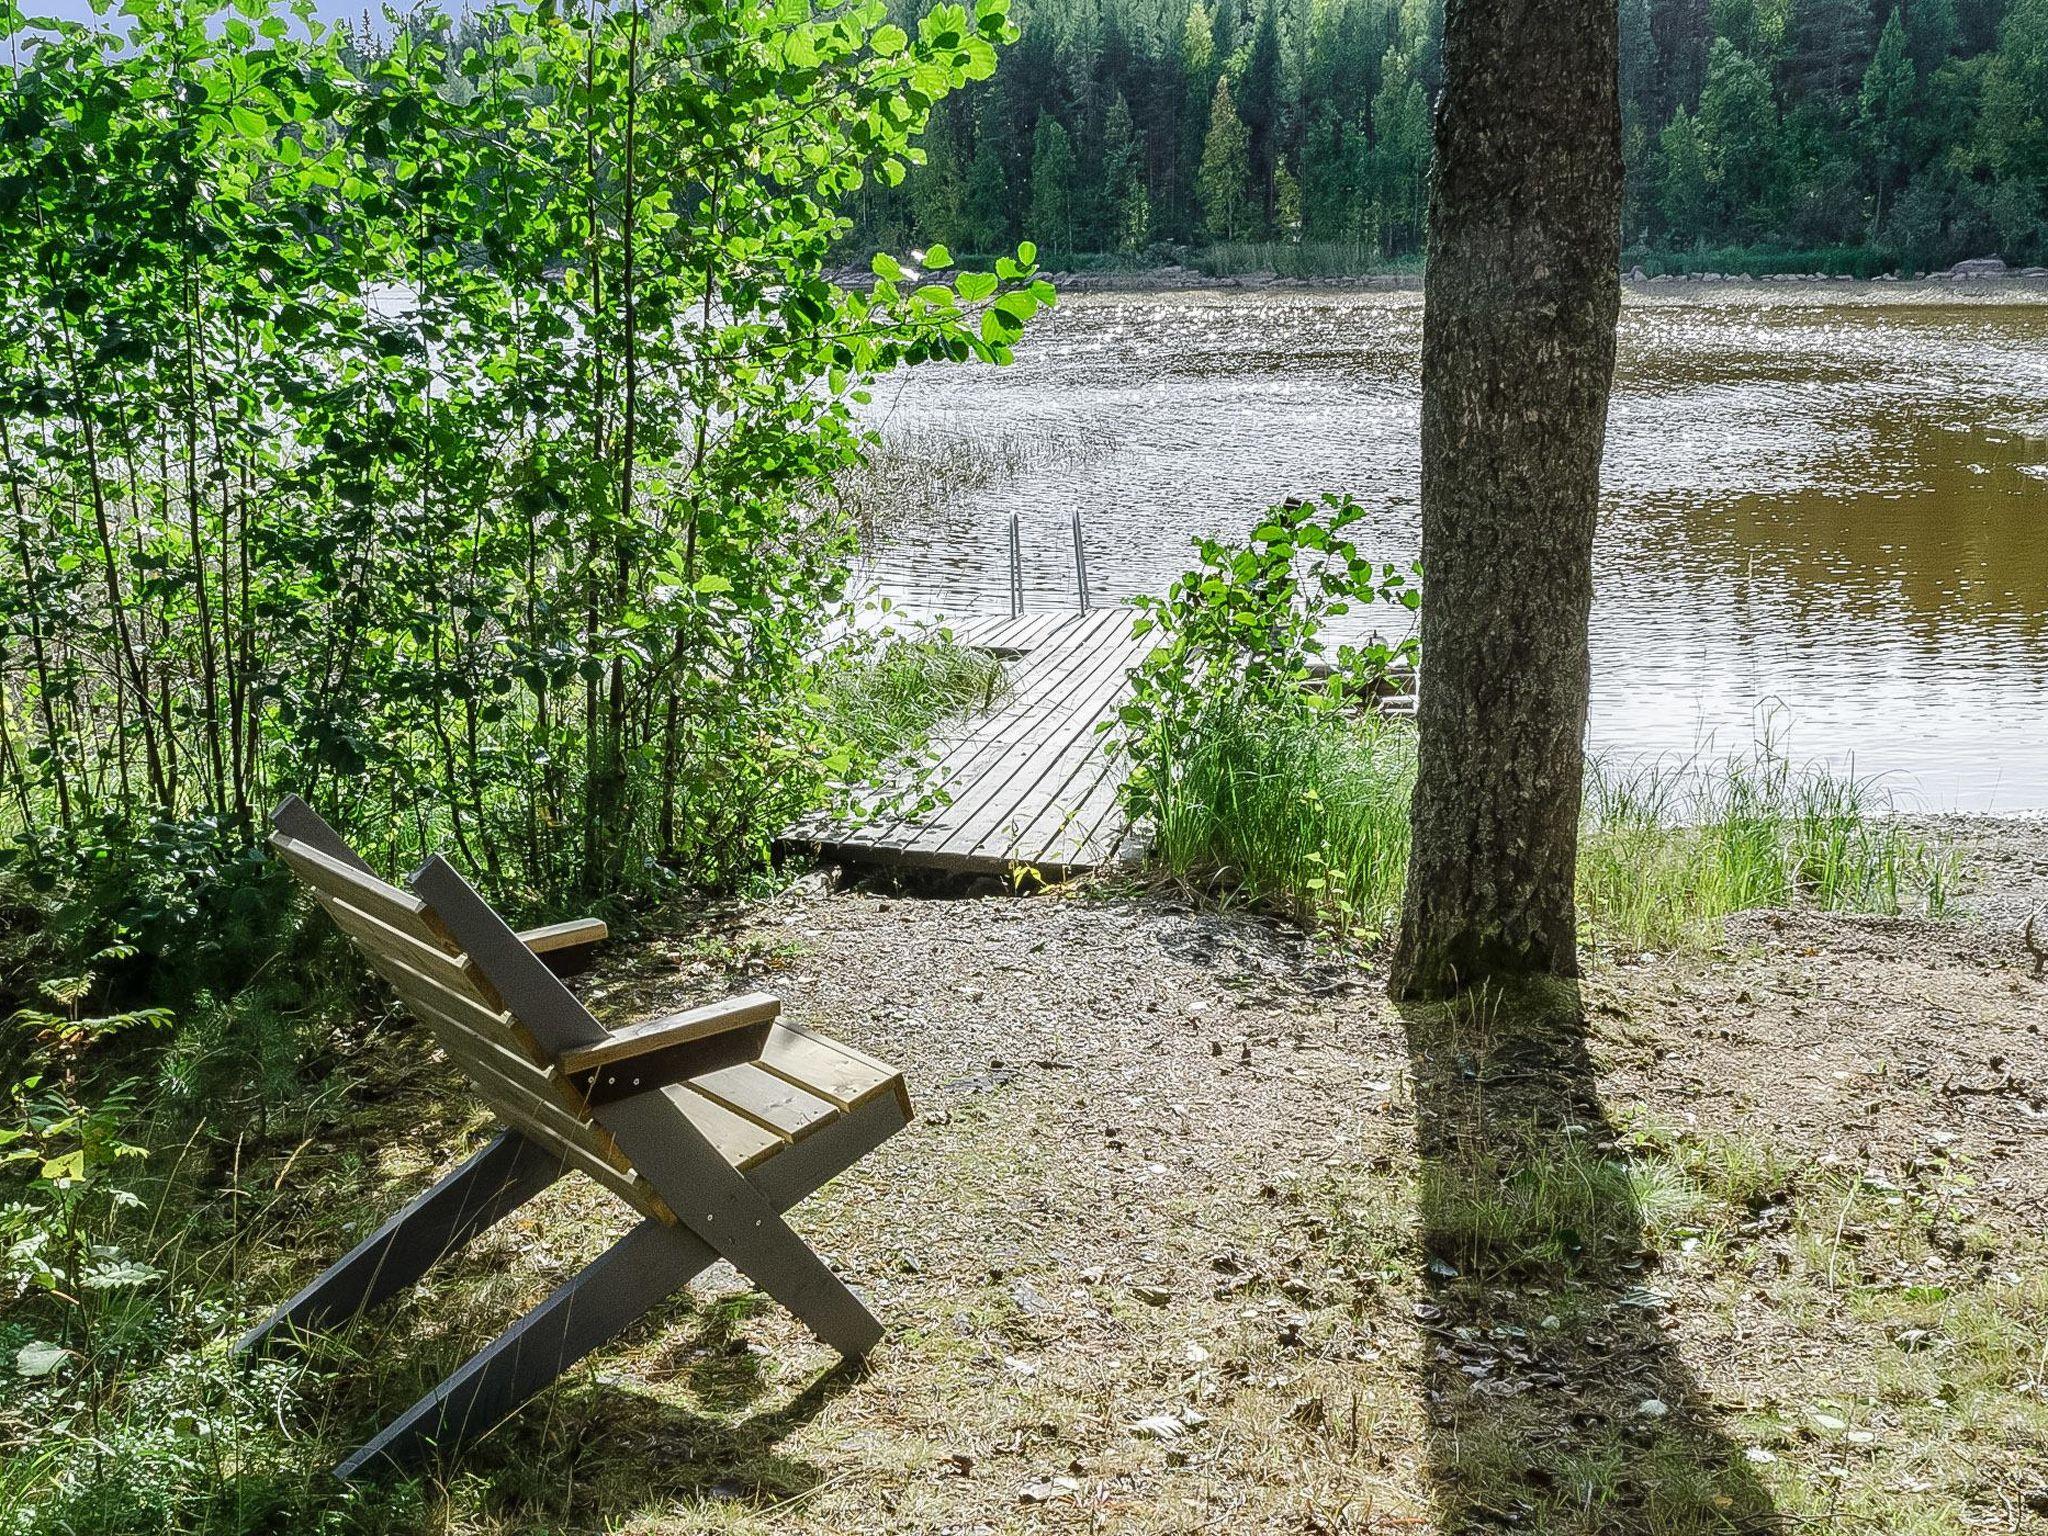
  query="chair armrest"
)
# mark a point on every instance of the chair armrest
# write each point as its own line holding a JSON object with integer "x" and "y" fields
{"x": 576, "y": 932}
{"x": 664, "y": 1034}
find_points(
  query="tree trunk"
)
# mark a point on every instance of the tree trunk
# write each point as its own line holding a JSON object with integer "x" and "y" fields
{"x": 1521, "y": 295}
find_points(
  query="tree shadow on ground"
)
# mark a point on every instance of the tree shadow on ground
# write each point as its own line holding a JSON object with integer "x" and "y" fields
{"x": 1556, "y": 1397}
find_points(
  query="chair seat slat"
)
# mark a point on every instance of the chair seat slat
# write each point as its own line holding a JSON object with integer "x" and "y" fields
{"x": 525, "y": 1096}
{"x": 739, "y": 1140}
{"x": 630, "y": 1187}
{"x": 512, "y": 1074}
{"x": 769, "y": 1101}
{"x": 822, "y": 1067}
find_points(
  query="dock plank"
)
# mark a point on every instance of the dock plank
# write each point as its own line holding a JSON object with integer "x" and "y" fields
{"x": 1031, "y": 783}
{"x": 1032, "y": 792}
{"x": 1094, "y": 667}
{"x": 982, "y": 760}
{"x": 958, "y": 757}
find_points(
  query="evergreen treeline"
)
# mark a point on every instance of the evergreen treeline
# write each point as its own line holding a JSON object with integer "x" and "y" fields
{"x": 1876, "y": 132}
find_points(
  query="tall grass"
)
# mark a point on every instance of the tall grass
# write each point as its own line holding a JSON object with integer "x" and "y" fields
{"x": 1672, "y": 846}
{"x": 1308, "y": 816}
{"x": 1765, "y": 260}
{"x": 932, "y": 463}
{"x": 890, "y": 694}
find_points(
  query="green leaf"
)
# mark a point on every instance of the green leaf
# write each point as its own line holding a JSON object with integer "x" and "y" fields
{"x": 975, "y": 285}
{"x": 118, "y": 1274}
{"x": 886, "y": 266}
{"x": 69, "y": 1166}
{"x": 39, "y": 1358}
{"x": 937, "y": 258}
{"x": 712, "y": 583}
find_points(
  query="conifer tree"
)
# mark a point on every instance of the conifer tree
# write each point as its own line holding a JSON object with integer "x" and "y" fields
{"x": 1886, "y": 109}
{"x": 1738, "y": 127}
{"x": 1127, "y": 209}
{"x": 1226, "y": 175}
{"x": 1932, "y": 32}
{"x": 1829, "y": 44}
{"x": 938, "y": 187}
{"x": 985, "y": 202}
{"x": 1286, "y": 205}
{"x": 1684, "y": 196}
{"x": 1400, "y": 131}
{"x": 1258, "y": 104}
{"x": 1050, "y": 219}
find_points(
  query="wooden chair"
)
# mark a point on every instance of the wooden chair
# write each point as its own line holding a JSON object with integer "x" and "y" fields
{"x": 710, "y": 1123}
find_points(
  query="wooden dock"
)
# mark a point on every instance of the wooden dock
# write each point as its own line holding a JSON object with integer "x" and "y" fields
{"x": 1031, "y": 784}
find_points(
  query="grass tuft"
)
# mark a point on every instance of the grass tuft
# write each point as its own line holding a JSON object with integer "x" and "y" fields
{"x": 1306, "y": 815}
{"x": 890, "y": 695}
{"x": 1672, "y": 848}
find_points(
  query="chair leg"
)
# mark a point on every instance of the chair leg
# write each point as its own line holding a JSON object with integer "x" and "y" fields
{"x": 500, "y": 1178}
{"x": 718, "y": 1203}
{"x": 603, "y": 1299}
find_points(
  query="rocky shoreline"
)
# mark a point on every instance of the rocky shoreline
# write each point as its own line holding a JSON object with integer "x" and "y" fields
{"x": 2014, "y": 281}
{"x": 1987, "y": 277}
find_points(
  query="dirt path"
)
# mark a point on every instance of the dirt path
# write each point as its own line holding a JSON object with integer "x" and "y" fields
{"x": 1183, "y": 1240}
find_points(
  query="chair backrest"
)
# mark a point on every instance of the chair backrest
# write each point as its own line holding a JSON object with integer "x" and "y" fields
{"x": 404, "y": 942}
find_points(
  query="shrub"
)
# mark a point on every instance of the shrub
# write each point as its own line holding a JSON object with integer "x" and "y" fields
{"x": 486, "y": 509}
{"x": 1244, "y": 756}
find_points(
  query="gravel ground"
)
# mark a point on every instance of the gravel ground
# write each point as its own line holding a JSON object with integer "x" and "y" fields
{"x": 1167, "y": 1250}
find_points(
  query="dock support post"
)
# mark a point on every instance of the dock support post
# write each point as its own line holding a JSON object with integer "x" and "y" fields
{"x": 1080, "y": 562}
{"x": 1016, "y": 570}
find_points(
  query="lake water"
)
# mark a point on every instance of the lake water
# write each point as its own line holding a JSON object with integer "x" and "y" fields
{"x": 1824, "y": 510}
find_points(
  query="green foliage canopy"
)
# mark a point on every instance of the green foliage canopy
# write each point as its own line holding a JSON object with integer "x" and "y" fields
{"x": 445, "y": 429}
{"x": 1836, "y": 134}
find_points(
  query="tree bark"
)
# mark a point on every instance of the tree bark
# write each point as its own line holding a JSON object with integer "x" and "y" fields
{"x": 1520, "y": 301}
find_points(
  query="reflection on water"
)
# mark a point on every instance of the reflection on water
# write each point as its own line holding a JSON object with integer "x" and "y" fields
{"x": 1841, "y": 506}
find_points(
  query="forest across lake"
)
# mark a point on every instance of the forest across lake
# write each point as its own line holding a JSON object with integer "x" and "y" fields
{"x": 1826, "y": 513}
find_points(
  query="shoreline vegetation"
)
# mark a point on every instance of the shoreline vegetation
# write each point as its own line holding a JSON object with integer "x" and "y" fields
{"x": 542, "y": 571}
{"x": 1266, "y": 772}
{"x": 1256, "y": 268}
